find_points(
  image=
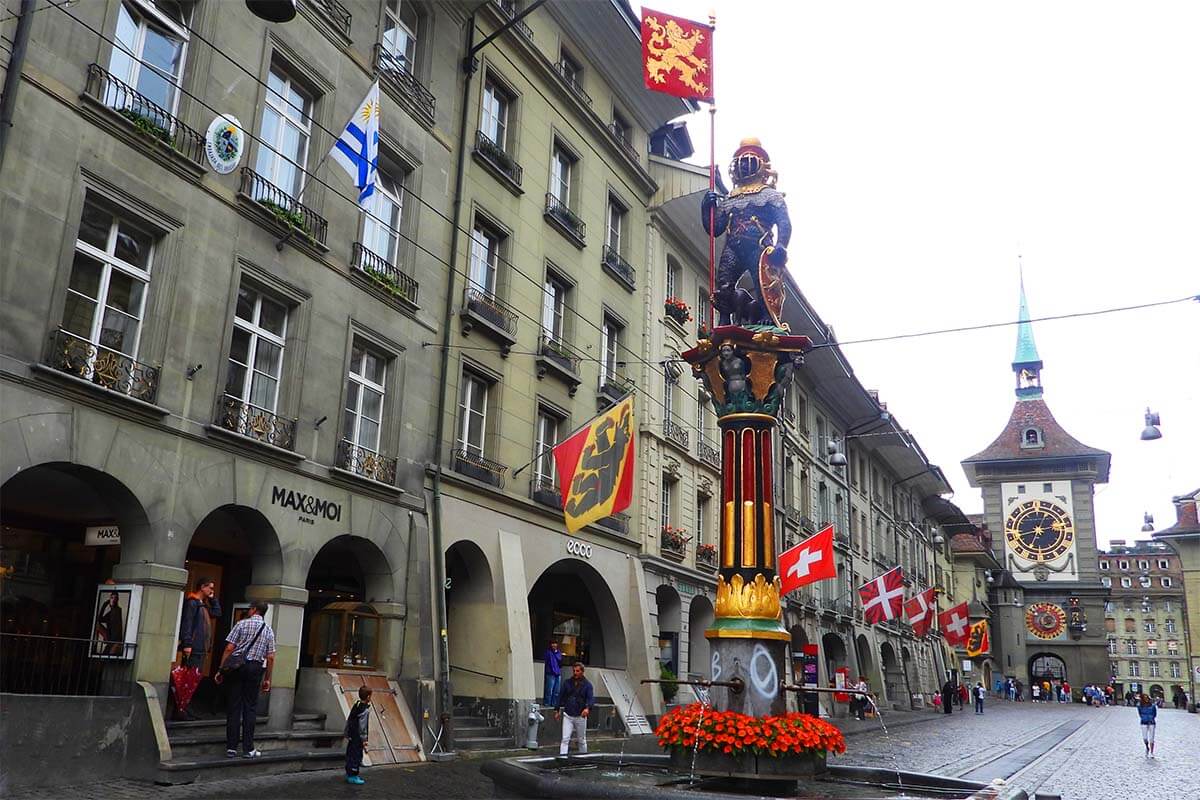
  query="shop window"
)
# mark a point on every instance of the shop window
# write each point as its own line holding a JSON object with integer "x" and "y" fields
{"x": 344, "y": 635}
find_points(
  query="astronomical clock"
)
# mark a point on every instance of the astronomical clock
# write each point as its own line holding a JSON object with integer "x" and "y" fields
{"x": 1039, "y": 531}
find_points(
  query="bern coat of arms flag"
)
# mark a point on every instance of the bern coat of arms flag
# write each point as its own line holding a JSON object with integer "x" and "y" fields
{"x": 595, "y": 466}
{"x": 677, "y": 55}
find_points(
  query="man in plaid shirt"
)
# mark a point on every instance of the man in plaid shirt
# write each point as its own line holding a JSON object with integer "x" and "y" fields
{"x": 254, "y": 638}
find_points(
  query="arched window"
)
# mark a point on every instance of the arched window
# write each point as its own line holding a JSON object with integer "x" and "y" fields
{"x": 1031, "y": 437}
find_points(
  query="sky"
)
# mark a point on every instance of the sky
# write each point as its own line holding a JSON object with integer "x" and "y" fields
{"x": 926, "y": 148}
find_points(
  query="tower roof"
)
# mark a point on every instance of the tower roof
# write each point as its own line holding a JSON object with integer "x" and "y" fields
{"x": 1049, "y": 440}
{"x": 1027, "y": 354}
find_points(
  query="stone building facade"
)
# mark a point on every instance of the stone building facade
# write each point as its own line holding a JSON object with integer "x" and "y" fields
{"x": 1184, "y": 538}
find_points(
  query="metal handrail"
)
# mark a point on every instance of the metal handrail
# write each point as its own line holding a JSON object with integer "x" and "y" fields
{"x": 736, "y": 685}
{"x": 490, "y": 308}
{"x": 241, "y": 417}
{"x": 675, "y": 432}
{"x": 366, "y": 462}
{"x": 610, "y": 259}
{"x": 338, "y": 14}
{"x": 65, "y": 666}
{"x": 288, "y": 210}
{"x": 572, "y": 83}
{"x": 556, "y": 349}
{"x": 396, "y": 70}
{"x": 708, "y": 453}
{"x": 495, "y": 678}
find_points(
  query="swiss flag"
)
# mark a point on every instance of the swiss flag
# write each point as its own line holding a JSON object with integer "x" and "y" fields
{"x": 882, "y": 597}
{"x": 808, "y": 562}
{"x": 955, "y": 624}
{"x": 920, "y": 611}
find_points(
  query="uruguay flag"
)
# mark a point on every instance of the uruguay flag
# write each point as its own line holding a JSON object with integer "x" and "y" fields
{"x": 357, "y": 150}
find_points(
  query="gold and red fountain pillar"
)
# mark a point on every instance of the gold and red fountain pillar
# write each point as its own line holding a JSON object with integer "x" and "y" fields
{"x": 746, "y": 370}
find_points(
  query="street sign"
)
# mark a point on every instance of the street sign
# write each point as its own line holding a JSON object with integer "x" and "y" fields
{"x": 101, "y": 536}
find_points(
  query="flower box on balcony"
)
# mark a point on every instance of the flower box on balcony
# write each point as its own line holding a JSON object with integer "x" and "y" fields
{"x": 560, "y": 216}
{"x": 706, "y": 557}
{"x": 674, "y": 542}
{"x": 677, "y": 310}
{"x": 492, "y": 316}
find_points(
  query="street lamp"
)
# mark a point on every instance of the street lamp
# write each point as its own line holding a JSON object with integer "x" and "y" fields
{"x": 1151, "y": 431}
{"x": 273, "y": 10}
{"x": 1147, "y": 518}
{"x": 836, "y": 457}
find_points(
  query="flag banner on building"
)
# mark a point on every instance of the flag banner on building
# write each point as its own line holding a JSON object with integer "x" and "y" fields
{"x": 595, "y": 466}
{"x": 677, "y": 55}
{"x": 955, "y": 624}
{"x": 883, "y": 597}
{"x": 920, "y": 610}
{"x": 357, "y": 149}
{"x": 807, "y": 562}
{"x": 977, "y": 639}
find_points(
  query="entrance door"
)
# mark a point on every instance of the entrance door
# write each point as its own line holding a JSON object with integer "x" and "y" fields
{"x": 1047, "y": 668}
{"x": 195, "y": 571}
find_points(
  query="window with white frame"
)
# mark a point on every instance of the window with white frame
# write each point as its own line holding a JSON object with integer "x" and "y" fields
{"x": 1154, "y": 670}
{"x": 1148, "y": 626}
{"x": 1124, "y": 565}
{"x": 701, "y": 519}
{"x": 562, "y": 169}
{"x": 1135, "y": 669}
{"x": 1143, "y": 564}
{"x": 148, "y": 54}
{"x": 401, "y": 26}
{"x": 1106, "y": 581}
{"x": 1164, "y": 564}
{"x": 1175, "y": 671}
{"x": 362, "y": 418}
{"x": 667, "y": 499}
{"x": 256, "y": 349}
{"x": 1166, "y": 582}
{"x": 554, "y": 306}
{"x": 472, "y": 413}
{"x": 484, "y": 258}
{"x": 284, "y": 134}
{"x": 670, "y": 388}
{"x": 1103, "y": 566}
{"x": 610, "y": 343}
{"x": 1169, "y": 625}
{"x": 614, "y": 225}
{"x": 621, "y": 128}
{"x": 1127, "y": 582}
{"x": 570, "y": 68}
{"x": 1166, "y": 605}
{"x": 110, "y": 275}
{"x": 494, "y": 115}
{"x": 383, "y": 212}
{"x": 1151, "y": 647}
{"x": 1112, "y": 646}
{"x": 674, "y": 278}
{"x": 1131, "y": 647}
{"x": 703, "y": 307}
{"x": 1172, "y": 647}
{"x": 548, "y": 425}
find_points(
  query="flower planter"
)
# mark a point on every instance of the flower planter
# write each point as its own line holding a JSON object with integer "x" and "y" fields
{"x": 748, "y": 765}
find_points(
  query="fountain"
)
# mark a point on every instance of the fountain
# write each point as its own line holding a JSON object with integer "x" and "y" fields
{"x": 747, "y": 742}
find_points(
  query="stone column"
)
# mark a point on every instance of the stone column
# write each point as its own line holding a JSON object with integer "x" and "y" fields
{"x": 287, "y": 620}
{"x": 391, "y": 634}
{"x": 163, "y": 588}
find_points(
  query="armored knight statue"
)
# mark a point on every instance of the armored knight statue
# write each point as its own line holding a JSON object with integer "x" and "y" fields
{"x": 754, "y": 219}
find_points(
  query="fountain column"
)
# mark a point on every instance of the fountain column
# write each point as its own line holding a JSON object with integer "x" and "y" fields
{"x": 746, "y": 371}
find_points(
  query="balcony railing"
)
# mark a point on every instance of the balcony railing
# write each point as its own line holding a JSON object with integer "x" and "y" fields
{"x": 473, "y": 465}
{"x": 619, "y": 268}
{"x": 618, "y": 523}
{"x": 508, "y": 10}
{"x": 366, "y": 463}
{"x": 543, "y": 490}
{"x": 614, "y": 385}
{"x": 554, "y": 349}
{"x": 144, "y": 114}
{"x": 567, "y": 73}
{"x": 486, "y": 306}
{"x": 55, "y": 665}
{"x": 622, "y": 136}
{"x": 674, "y": 550}
{"x": 106, "y": 368}
{"x": 675, "y": 432}
{"x": 337, "y": 14}
{"x": 238, "y": 416}
{"x": 709, "y": 454}
{"x": 706, "y": 558}
{"x": 497, "y": 157}
{"x": 389, "y": 278}
{"x": 289, "y": 212}
{"x": 397, "y": 72}
{"x": 558, "y": 211}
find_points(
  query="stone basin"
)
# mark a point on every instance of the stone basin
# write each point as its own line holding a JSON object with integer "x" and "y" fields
{"x": 607, "y": 776}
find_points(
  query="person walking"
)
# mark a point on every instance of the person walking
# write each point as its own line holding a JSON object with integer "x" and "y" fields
{"x": 200, "y": 607}
{"x": 1147, "y": 716}
{"x": 948, "y": 697}
{"x": 962, "y": 695}
{"x": 979, "y": 693}
{"x": 246, "y": 665}
{"x": 575, "y": 699}
{"x": 358, "y": 726}
{"x": 1036, "y": 691}
{"x": 553, "y": 674}
{"x": 1066, "y": 693}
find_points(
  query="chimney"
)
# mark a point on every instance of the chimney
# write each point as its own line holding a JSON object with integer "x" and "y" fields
{"x": 1185, "y": 513}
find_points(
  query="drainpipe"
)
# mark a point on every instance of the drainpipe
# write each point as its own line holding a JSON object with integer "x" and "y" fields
{"x": 12, "y": 78}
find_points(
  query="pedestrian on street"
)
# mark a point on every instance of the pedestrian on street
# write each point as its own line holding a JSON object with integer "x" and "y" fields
{"x": 1065, "y": 697}
{"x": 1035, "y": 690}
{"x": 859, "y": 702}
{"x": 948, "y": 697}
{"x": 358, "y": 724}
{"x": 962, "y": 695}
{"x": 979, "y": 693}
{"x": 1020, "y": 690}
{"x": 200, "y": 608}
{"x": 575, "y": 699}
{"x": 246, "y": 665}
{"x": 553, "y": 674}
{"x": 1147, "y": 715}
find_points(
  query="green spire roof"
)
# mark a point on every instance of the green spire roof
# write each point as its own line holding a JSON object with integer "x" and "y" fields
{"x": 1026, "y": 348}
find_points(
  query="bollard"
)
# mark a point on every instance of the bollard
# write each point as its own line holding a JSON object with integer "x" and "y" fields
{"x": 535, "y": 718}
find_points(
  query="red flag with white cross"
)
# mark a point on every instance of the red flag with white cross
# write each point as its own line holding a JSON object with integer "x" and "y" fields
{"x": 807, "y": 562}
{"x": 883, "y": 597}
{"x": 955, "y": 624}
{"x": 920, "y": 610}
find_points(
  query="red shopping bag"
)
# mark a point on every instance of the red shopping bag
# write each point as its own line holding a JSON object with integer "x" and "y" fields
{"x": 184, "y": 681}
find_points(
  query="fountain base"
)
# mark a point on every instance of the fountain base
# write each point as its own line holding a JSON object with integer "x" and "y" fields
{"x": 791, "y": 766}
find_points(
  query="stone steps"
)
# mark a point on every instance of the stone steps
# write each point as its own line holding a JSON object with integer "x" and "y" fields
{"x": 198, "y": 750}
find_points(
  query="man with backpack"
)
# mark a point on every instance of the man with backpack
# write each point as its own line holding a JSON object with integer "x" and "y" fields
{"x": 246, "y": 667}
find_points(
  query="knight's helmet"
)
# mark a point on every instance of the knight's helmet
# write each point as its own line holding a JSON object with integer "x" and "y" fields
{"x": 751, "y": 164}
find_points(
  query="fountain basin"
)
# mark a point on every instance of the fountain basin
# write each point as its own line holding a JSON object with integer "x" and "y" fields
{"x": 709, "y": 763}
{"x": 653, "y": 777}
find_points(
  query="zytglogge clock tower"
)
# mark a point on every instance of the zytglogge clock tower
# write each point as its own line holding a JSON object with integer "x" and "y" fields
{"x": 1038, "y": 486}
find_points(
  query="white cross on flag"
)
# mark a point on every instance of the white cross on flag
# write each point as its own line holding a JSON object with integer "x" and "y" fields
{"x": 883, "y": 596}
{"x": 808, "y": 562}
{"x": 955, "y": 624}
{"x": 920, "y": 610}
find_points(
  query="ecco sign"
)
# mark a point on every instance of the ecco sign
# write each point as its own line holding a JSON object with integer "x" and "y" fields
{"x": 577, "y": 548}
{"x": 101, "y": 535}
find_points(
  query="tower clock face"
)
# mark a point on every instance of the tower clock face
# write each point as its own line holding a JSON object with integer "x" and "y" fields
{"x": 1038, "y": 530}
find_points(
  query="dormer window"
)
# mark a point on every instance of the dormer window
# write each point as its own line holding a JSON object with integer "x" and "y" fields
{"x": 1031, "y": 437}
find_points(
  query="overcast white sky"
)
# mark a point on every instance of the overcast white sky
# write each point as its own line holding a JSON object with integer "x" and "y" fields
{"x": 923, "y": 146}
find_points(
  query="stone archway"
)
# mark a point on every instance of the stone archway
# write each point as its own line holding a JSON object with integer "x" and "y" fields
{"x": 572, "y": 602}
{"x": 347, "y": 571}
{"x": 477, "y": 625}
{"x": 670, "y": 622}
{"x": 700, "y": 619}
{"x": 893, "y": 675}
{"x": 866, "y": 661}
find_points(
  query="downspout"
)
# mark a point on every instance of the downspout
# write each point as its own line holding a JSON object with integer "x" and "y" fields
{"x": 12, "y": 78}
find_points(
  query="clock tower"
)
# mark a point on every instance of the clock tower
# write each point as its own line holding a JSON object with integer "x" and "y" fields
{"x": 1038, "y": 487}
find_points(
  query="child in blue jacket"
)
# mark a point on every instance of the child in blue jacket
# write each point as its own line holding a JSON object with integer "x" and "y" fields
{"x": 1148, "y": 712}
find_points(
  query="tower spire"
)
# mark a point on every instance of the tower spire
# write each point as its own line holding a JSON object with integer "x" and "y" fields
{"x": 1027, "y": 364}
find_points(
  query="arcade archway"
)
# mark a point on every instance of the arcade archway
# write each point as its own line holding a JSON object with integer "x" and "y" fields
{"x": 833, "y": 649}
{"x": 347, "y": 575}
{"x": 571, "y": 602}
{"x": 893, "y": 675}
{"x": 476, "y": 627}
{"x": 700, "y": 619}
{"x": 1047, "y": 667}
{"x": 670, "y": 621}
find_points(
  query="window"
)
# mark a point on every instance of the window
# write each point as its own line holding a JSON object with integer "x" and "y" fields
{"x": 1172, "y": 647}
{"x": 1166, "y": 605}
{"x": 570, "y": 69}
{"x": 1114, "y": 668}
{"x": 148, "y": 53}
{"x": 1047, "y": 488}
{"x": 1128, "y": 604}
{"x": 362, "y": 418}
{"x": 703, "y": 307}
{"x": 1143, "y": 565}
{"x": 1106, "y": 582}
{"x": 554, "y": 305}
{"x": 1175, "y": 671}
{"x": 1130, "y": 625}
{"x": 547, "y": 436}
{"x": 1032, "y": 437}
{"x": 666, "y": 498}
{"x": 1112, "y": 647}
{"x": 1154, "y": 672}
{"x": 485, "y": 256}
{"x": 381, "y": 222}
{"x": 562, "y": 168}
{"x": 472, "y": 413}
{"x": 1169, "y": 625}
{"x": 1108, "y": 606}
{"x": 674, "y": 278}
{"x": 823, "y": 504}
{"x": 701, "y": 519}
{"x": 610, "y": 343}
{"x": 284, "y": 134}
{"x": 1151, "y": 647}
{"x": 495, "y": 113}
{"x": 256, "y": 349}
{"x": 1166, "y": 582}
{"x": 1131, "y": 647}
{"x": 621, "y": 128}
{"x": 1126, "y": 582}
{"x": 1124, "y": 565}
{"x": 1164, "y": 564}
{"x": 614, "y": 228}
{"x": 1020, "y": 488}
{"x": 670, "y": 387}
{"x": 1104, "y": 565}
{"x": 106, "y": 294}
{"x": 1148, "y": 626}
{"x": 401, "y": 26}
{"x": 1135, "y": 669}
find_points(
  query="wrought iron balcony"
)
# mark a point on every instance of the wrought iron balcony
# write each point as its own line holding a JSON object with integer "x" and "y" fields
{"x": 106, "y": 368}
{"x": 675, "y": 432}
{"x": 709, "y": 454}
{"x": 618, "y": 268}
{"x": 793, "y": 515}
{"x": 618, "y": 523}
{"x": 556, "y": 354}
{"x": 567, "y": 220}
{"x": 508, "y": 10}
{"x": 674, "y": 548}
{"x": 474, "y": 465}
{"x": 396, "y": 71}
{"x": 238, "y": 416}
{"x": 388, "y": 277}
{"x": 623, "y": 138}
{"x": 495, "y": 156}
{"x": 706, "y": 557}
{"x": 543, "y": 490}
{"x": 289, "y": 212}
{"x": 337, "y": 14}
{"x": 567, "y": 73}
{"x": 144, "y": 114}
{"x": 488, "y": 307}
{"x": 614, "y": 386}
{"x": 366, "y": 463}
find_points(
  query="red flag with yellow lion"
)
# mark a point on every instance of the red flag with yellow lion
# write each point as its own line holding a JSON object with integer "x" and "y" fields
{"x": 677, "y": 55}
{"x": 595, "y": 466}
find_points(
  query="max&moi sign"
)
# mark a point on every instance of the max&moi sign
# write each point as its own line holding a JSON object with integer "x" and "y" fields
{"x": 309, "y": 506}
{"x": 101, "y": 535}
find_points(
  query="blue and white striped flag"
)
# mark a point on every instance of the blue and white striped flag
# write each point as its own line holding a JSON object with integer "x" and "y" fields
{"x": 357, "y": 150}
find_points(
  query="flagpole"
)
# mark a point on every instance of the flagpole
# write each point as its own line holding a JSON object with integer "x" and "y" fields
{"x": 712, "y": 187}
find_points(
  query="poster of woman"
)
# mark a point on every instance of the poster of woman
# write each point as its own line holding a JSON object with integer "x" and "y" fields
{"x": 115, "y": 623}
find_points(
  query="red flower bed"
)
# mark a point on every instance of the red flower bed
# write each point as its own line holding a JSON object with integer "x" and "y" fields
{"x": 738, "y": 734}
